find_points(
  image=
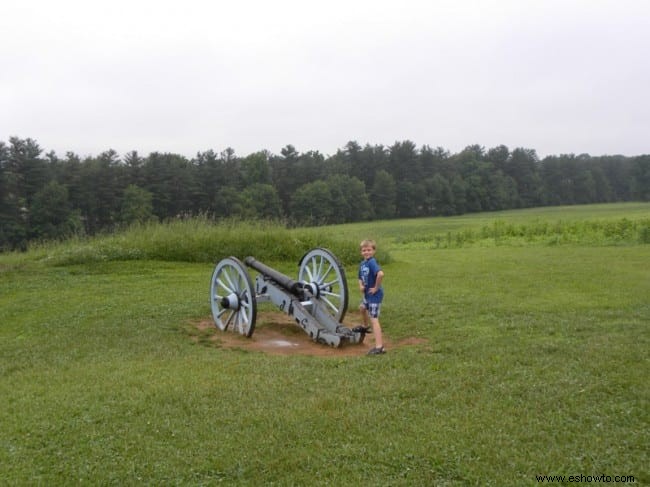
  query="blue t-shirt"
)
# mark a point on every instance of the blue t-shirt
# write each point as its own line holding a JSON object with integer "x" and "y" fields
{"x": 368, "y": 270}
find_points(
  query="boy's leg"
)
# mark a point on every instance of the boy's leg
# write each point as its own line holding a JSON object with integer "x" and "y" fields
{"x": 373, "y": 312}
{"x": 365, "y": 317}
{"x": 364, "y": 314}
{"x": 376, "y": 331}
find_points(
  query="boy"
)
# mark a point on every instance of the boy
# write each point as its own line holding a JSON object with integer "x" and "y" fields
{"x": 370, "y": 278}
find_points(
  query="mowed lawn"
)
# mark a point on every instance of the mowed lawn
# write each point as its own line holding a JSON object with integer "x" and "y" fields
{"x": 531, "y": 360}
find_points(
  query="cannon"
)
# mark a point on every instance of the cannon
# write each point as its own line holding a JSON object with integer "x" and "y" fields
{"x": 317, "y": 300}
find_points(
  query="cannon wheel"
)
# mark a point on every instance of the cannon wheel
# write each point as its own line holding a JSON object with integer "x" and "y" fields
{"x": 321, "y": 267}
{"x": 232, "y": 297}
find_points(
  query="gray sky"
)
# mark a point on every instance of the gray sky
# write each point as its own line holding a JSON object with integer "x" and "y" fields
{"x": 557, "y": 76}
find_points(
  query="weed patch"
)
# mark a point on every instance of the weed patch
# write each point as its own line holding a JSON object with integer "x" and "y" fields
{"x": 502, "y": 233}
{"x": 196, "y": 240}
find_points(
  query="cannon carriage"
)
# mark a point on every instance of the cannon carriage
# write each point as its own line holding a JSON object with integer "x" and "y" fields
{"x": 317, "y": 300}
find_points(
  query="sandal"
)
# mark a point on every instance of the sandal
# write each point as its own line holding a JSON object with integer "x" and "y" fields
{"x": 361, "y": 329}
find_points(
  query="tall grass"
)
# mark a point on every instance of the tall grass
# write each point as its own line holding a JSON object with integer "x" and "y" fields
{"x": 622, "y": 231}
{"x": 200, "y": 239}
{"x": 197, "y": 240}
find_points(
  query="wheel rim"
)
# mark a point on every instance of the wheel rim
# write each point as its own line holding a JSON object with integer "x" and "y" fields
{"x": 232, "y": 297}
{"x": 322, "y": 268}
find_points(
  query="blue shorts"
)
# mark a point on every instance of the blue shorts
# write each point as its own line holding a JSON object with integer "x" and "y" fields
{"x": 373, "y": 307}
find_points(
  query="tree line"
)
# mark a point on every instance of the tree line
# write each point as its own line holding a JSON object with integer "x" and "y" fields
{"x": 44, "y": 196}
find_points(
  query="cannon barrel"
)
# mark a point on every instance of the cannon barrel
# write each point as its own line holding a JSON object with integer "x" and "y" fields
{"x": 294, "y": 287}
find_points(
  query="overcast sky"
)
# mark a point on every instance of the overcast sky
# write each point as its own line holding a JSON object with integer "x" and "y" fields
{"x": 557, "y": 76}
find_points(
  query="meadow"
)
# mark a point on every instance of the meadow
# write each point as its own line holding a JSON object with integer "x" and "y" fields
{"x": 531, "y": 358}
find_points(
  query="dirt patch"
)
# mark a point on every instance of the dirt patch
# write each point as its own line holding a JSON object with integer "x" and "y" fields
{"x": 276, "y": 334}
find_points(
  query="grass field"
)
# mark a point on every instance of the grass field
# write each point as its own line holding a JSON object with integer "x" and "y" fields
{"x": 532, "y": 360}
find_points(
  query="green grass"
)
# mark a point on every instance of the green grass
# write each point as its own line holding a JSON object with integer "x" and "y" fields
{"x": 534, "y": 360}
{"x": 195, "y": 240}
{"x": 606, "y": 224}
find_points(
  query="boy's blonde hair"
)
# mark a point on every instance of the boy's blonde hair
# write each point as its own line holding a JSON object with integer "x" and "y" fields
{"x": 368, "y": 243}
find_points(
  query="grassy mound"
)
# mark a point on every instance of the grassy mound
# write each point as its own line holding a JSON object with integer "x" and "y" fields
{"x": 198, "y": 240}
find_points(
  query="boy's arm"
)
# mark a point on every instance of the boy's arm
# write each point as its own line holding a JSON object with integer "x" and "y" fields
{"x": 380, "y": 277}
